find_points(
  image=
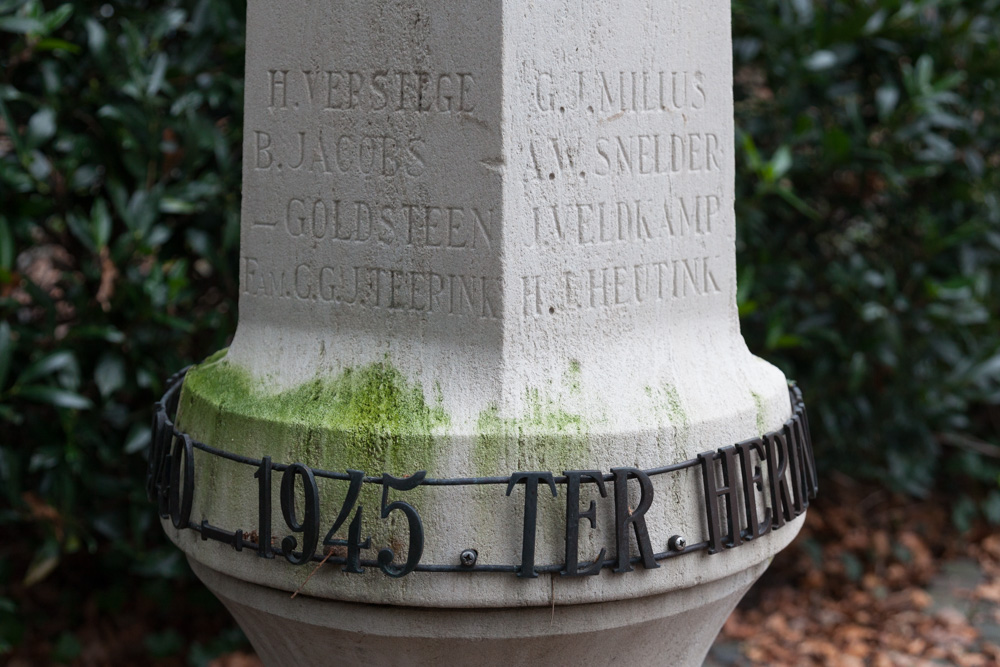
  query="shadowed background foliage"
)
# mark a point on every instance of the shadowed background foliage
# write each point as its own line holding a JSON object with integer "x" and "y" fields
{"x": 869, "y": 251}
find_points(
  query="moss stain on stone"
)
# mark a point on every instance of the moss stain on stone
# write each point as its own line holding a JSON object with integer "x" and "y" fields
{"x": 761, "y": 420}
{"x": 221, "y": 354}
{"x": 369, "y": 418}
{"x": 667, "y": 404}
{"x": 572, "y": 377}
{"x": 545, "y": 437}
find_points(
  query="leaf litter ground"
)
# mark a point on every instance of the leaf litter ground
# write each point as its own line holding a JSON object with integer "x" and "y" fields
{"x": 874, "y": 579}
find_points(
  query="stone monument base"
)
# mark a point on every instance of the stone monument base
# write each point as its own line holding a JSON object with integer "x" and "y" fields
{"x": 675, "y": 628}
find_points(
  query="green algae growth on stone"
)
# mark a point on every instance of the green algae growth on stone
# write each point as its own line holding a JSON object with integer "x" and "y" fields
{"x": 546, "y": 437}
{"x": 368, "y": 418}
{"x": 758, "y": 402}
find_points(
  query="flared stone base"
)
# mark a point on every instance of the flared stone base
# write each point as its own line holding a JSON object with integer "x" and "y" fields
{"x": 675, "y": 628}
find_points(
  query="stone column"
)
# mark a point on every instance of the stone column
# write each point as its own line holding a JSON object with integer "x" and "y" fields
{"x": 479, "y": 239}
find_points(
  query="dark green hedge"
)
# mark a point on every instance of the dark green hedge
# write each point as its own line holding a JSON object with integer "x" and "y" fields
{"x": 868, "y": 199}
{"x": 869, "y": 245}
{"x": 120, "y": 135}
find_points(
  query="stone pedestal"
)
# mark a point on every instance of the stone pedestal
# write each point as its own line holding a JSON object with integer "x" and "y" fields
{"x": 674, "y": 628}
{"x": 481, "y": 239}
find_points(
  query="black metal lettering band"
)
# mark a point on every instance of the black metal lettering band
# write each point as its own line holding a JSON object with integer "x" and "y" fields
{"x": 731, "y": 515}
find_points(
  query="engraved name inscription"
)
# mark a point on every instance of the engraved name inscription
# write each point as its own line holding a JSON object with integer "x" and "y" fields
{"x": 338, "y": 221}
{"x": 622, "y": 285}
{"x": 331, "y": 153}
{"x": 652, "y": 154}
{"x": 375, "y": 288}
{"x": 304, "y": 143}
{"x": 618, "y": 222}
{"x": 623, "y": 134}
{"x": 645, "y": 91}
{"x": 377, "y": 90}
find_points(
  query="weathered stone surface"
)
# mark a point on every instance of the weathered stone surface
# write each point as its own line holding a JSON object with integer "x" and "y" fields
{"x": 479, "y": 238}
{"x": 674, "y": 628}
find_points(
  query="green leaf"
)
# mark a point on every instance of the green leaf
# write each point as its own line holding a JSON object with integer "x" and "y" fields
{"x": 21, "y": 25}
{"x": 81, "y": 230}
{"x": 109, "y": 375}
{"x": 53, "y": 44}
{"x": 44, "y": 562}
{"x": 6, "y": 352}
{"x": 14, "y": 135}
{"x": 102, "y": 332}
{"x": 159, "y": 72}
{"x": 853, "y": 567}
{"x": 164, "y": 644}
{"x": 780, "y": 163}
{"x": 7, "y": 413}
{"x": 821, "y": 60}
{"x": 886, "y": 99}
{"x": 67, "y": 648}
{"x": 168, "y": 21}
{"x": 9, "y": 92}
{"x": 875, "y": 22}
{"x": 41, "y": 126}
{"x": 55, "y": 19}
{"x": 39, "y": 165}
{"x": 950, "y": 81}
{"x": 47, "y": 365}
{"x": 141, "y": 212}
{"x": 991, "y": 507}
{"x": 753, "y": 155}
{"x": 963, "y": 513}
{"x": 176, "y": 206}
{"x": 97, "y": 36}
{"x": 54, "y": 396}
{"x": 85, "y": 177}
{"x": 798, "y": 203}
{"x": 138, "y": 439}
{"x": 837, "y": 143}
{"x": 787, "y": 341}
{"x": 988, "y": 370}
{"x": 10, "y": 6}
{"x": 7, "y": 250}
{"x": 924, "y": 72}
{"x": 100, "y": 223}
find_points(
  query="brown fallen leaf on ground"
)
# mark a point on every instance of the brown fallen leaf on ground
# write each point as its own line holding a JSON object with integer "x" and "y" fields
{"x": 851, "y": 590}
{"x": 237, "y": 659}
